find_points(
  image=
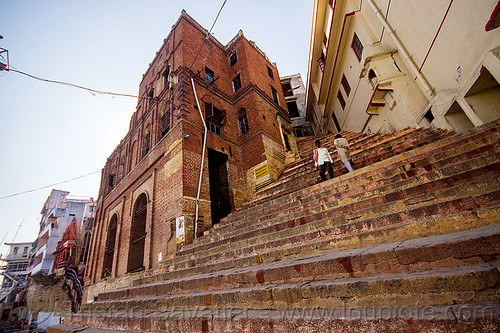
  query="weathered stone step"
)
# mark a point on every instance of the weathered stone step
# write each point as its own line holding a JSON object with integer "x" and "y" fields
{"x": 470, "y": 317}
{"x": 476, "y": 246}
{"x": 361, "y": 157}
{"x": 365, "y": 155}
{"x": 342, "y": 234}
{"x": 444, "y": 286}
{"x": 481, "y": 129}
{"x": 443, "y": 148}
{"x": 372, "y": 201}
{"x": 423, "y": 180}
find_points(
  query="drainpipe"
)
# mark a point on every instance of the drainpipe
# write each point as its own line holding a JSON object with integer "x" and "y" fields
{"x": 202, "y": 160}
{"x": 402, "y": 49}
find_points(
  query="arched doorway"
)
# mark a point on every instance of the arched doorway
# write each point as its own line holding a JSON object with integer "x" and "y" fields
{"x": 109, "y": 251}
{"x": 138, "y": 235}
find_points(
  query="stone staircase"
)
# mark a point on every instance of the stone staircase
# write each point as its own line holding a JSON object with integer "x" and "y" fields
{"x": 408, "y": 242}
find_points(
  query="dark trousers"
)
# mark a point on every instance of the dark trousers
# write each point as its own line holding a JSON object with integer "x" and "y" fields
{"x": 323, "y": 168}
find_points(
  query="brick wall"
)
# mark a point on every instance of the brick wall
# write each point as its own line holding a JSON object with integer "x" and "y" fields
{"x": 168, "y": 173}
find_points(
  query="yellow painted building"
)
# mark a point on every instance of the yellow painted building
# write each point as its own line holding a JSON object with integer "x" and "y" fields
{"x": 382, "y": 65}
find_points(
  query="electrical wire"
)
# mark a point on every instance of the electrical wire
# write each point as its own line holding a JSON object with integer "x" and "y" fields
{"x": 101, "y": 92}
{"x": 44, "y": 187}
{"x": 72, "y": 85}
{"x": 107, "y": 93}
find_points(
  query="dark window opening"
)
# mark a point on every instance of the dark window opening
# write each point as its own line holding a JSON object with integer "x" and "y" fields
{"x": 243, "y": 122}
{"x": 166, "y": 73}
{"x": 147, "y": 143}
{"x": 293, "y": 111}
{"x": 215, "y": 118}
{"x": 346, "y": 85}
{"x": 236, "y": 83}
{"x": 233, "y": 58}
{"x": 109, "y": 250}
{"x": 429, "y": 116}
{"x": 165, "y": 123}
{"x": 138, "y": 235}
{"x": 275, "y": 95}
{"x": 209, "y": 75}
{"x": 270, "y": 72}
{"x": 341, "y": 99}
{"x": 287, "y": 89}
{"x": 111, "y": 180}
{"x": 357, "y": 47}
{"x": 150, "y": 97}
{"x": 321, "y": 62}
{"x": 372, "y": 77}
{"x": 287, "y": 144}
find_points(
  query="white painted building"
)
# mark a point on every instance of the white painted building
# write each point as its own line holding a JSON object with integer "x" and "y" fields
{"x": 14, "y": 268}
{"x": 57, "y": 213}
{"x": 295, "y": 97}
{"x": 381, "y": 65}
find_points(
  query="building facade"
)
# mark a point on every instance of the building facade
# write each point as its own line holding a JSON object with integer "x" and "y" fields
{"x": 381, "y": 66}
{"x": 14, "y": 273}
{"x": 295, "y": 96}
{"x": 57, "y": 214}
{"x": 165, "y": 182}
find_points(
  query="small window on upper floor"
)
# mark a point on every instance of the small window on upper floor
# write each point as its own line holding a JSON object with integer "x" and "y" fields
{"x": 275, "y": 95}
{"x": 147, "y": 143}
{"x": 233, "y": 58}
{"x": 15, "y": 250}
{"x": 270, "y": 72}
{"x": 321, "y": 62}
{"x": 165, "y": 124}
{"x": 293, "y": 111}
{"x": 346, "y": 85}
{"x": 215, "y": 118}
{"x": 166, "y": 73}
{"x": 209, "y": 75}
{"x": 341, "y": 99}
{"x": 150, "y": 97}
{"x": 25, "y": 251}
{"x": 243, "y": 122}
{"x": 287, "y": 89}
{"x": 357, "y": 47}
{"x": 237, "y": 83}
{"x": 111, "y": 180}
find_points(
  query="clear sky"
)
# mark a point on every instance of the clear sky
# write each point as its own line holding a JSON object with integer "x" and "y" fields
{"x": 51, "y": 133}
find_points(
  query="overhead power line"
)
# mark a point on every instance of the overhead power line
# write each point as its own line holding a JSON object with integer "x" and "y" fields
{"x": 102, "y": 92}
{"x": 106, "y": 93}
{"x": 43, "y": 187}
{"x": 73, "y": 85}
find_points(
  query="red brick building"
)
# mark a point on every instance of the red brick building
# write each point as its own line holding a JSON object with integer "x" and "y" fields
{"x": 152, "y": 177}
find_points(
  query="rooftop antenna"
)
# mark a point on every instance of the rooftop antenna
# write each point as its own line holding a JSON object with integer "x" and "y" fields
{"x": 1, "y": 255}
{"x": 13, "y": 239}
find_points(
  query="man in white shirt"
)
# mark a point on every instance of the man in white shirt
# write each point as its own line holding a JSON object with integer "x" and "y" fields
{"x": 344, "y": 151}
{"x": 323, "y": 160}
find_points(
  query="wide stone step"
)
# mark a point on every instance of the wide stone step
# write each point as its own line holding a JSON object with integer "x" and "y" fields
{"x": 343, "y": 235}
{"x": 444, "y": 148}
{"x": 367, "y": 204}
{"x": 422, "y": 181}
{"x": 484, "y": 128}
{"x": 362, "y": 157}
{"x": 444, "y": 286}
{"x": 471, "y": 317}
{"x": 450, "y": 250}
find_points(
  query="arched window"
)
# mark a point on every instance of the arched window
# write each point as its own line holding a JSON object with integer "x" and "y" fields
{"x": 372, "y": 77}
{"x": 138, "y": 235}
{"x": 109, "y": 251}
